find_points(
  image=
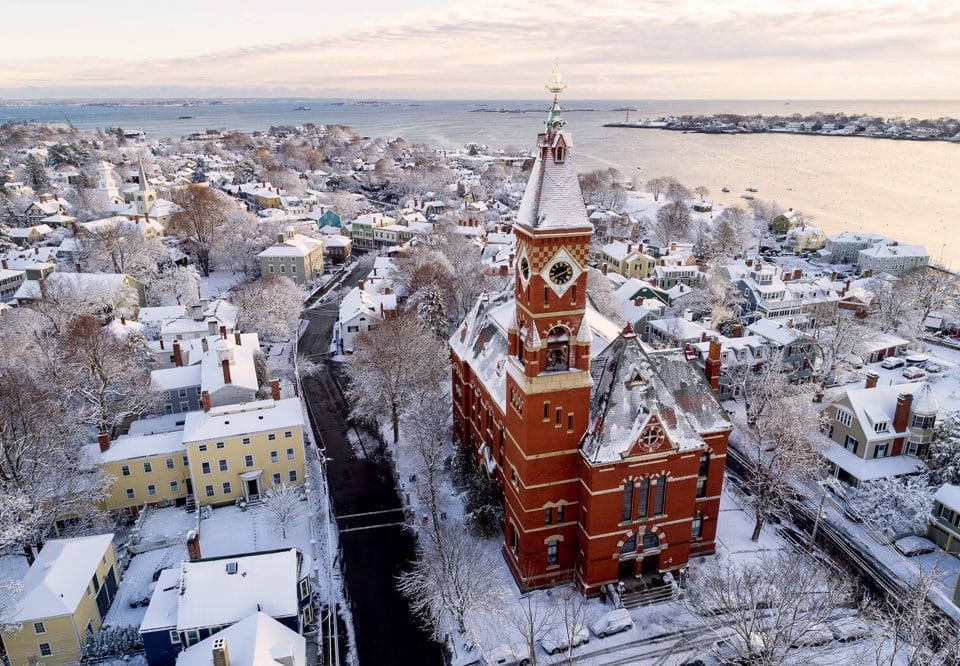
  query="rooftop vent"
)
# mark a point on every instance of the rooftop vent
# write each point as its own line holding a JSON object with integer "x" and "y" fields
{"x": 231, "y": 567}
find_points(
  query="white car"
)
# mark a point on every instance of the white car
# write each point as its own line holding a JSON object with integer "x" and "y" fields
{"x": 892, "y": 362}
{"x": 912, "y": 546}
{"x": 612, "y": 623}
{"x": 557, "y": 640}
{"x": 508, "y": 654}
{"x": 913, "y": 374}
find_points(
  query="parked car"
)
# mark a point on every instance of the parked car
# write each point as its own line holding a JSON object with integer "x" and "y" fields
{"x": 850, "y": 629}
{"x": 913, "y": 374}
{"x": 508, "y": 654}
{"x": 557, "y": 640}
{"x": 914, "y": 545}
{"x": 612, "y": 623}
{"x": 918, "y": 360}
{"x": 892, "y": 362}
{"x": 816, "y": 634}
{"x": 933, "y": 368}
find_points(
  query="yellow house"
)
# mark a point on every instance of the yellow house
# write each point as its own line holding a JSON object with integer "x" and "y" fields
{"x": 146, "y": 469}
{"x": 240, "y": 451}
{"x": 66, "y": 595}
{"x": 627, "y": 259}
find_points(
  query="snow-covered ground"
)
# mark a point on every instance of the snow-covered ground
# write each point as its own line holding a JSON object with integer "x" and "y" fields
{"x": 218, "y": 282}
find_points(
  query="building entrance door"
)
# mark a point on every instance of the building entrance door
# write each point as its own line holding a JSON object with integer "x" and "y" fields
{"x": 627, "y": 569}
{"x": 650, "y": 565}
{"x": 253, "y": 489}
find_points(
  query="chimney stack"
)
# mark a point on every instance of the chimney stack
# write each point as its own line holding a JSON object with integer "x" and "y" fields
{"x": 737, "y": 331}
{"x": 603, "y": 268}
{"x": 204, "y": 345}
{"x": 901, "y": 416}
{"x": 123, "y": 320}
{"x": 749, "y": 263}
{"x": 6, "y": 266}
{"x": 360, "y": 284}
{"x": 629, "y": 248}
{"x": 193, "y": 545}
{"x": 161, "y": 344}
{"x": 212, "y": 327}
{"x": 872, "y": 378}
{"x": 220, "y": 655}
{"x": 223, "y": 332}
{"x": 104, "y": 440}
{"x": 225, "y": 364}
{"x": 77, "y": 268}
{"x": 236, "y": 338}
{"x": 275, "y": 389}
{"x": 205, "y": 400}
{"x": 177, "y": 354}
{"x": 711, "y": 366}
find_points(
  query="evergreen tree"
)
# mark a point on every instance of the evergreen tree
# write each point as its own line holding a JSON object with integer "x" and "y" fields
{"x": 944, "y": 459}
{"x": 8, "y": 218}
{"x": 37, "y": 173}
{"x": 245, "y": 173}
{"x": 433, "y": 314}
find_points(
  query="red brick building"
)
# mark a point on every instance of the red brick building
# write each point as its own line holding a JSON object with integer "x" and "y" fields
{"x": 610, "y": 456}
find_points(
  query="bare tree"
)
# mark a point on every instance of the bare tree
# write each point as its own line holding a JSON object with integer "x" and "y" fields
{"x": 204, "y": 212}
{"x": 602, "y": 295}
{"x": 447, "y": 585}
{"x": 571, "y": 617}
{"x": 533, "y": 617}
{"x": 271, "y": 305}
{"x": 702, "y": 191}
{"x": 283, "y": 504}
{"x": 390, "y": 365}
{"x": 427, "y": 429}
{"x": 839, "y": 336}
{"x": 928, "y": 290}
{"x": 656, "y": 186}
{"x": 672, "y": 222}
{"x": 779, "y": 440}
{"x": 175, "y": 285}
{"x": 122, "y": 248}
{"x": 764, "y": 607}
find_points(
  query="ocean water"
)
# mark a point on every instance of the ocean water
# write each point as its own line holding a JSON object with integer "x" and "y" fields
{"x": 906, "y": 189}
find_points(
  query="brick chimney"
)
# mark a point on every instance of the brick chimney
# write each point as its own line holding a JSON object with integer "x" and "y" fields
{"x": 193, "y": 545}
{"x": 221, "y": 657}
{"x": 711, "y": 366}
{"x": 6, "y": 266}
{"x": 177, "y": 354}
{"x": 236, "y": 338}
{"x": 901, "y": 415}
{"x": 603, "y": 268}
{"x": 749, "y": 263}
{"x": 360, "y": 285}
{"x": 629, "y": 248}
{"x": 275, "y": 389}
{"x": 77, "y": 268}
{"x": 225, "y": 364}
{"x": 223, "y": 332}
{"x": 872, "y": 378}
{"x": 737, "y": 331}
{"x": 205, "y": 400}
{"x": 161, "y": 344}
{"x": 104, "y": 440}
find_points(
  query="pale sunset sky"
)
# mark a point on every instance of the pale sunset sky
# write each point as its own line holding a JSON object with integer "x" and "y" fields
{"x": 479, "y": 49}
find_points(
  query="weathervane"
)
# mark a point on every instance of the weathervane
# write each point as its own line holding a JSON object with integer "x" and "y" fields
{"x": 557, "y": 86}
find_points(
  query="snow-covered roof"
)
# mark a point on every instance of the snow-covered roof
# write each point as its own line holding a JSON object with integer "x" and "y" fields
{"x": 141, "y": 446}
{"x": 295, "y": 245}
{"x": 552, "y": 198}
{"x": 162, "y": 611}
{"x": 257, "y": 640}
{"x": 949, "y": 496}
{"x": 680, "y": 329}
{"x": 868, "y": 469}
{"x": 879, "y": 403}
{"x": 92, "y": 284}
{"x": 894, "y": 249}
{"x": 160, "y": 314}
{"x": 166, "y": 379}
{"x": 210, "y": 596}
{"x": 632, "y": 385}
{"x": 778, "y": 333}
{"x": 242, "y": 419}
{"x": 58, "y": 578}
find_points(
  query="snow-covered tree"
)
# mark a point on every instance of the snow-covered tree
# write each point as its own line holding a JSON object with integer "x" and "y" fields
{"x": 570, "y": 617}
{"x": 897, "y": 504}
{"x": 122, "y": 248}
{"x": 447, "y": 586}
{"x": 777, "y": 440}
{"x": 764, "y": 606}
{"x": 426, "y": 428}
{"x": 271, "y": 306}
{"x": 37, "y": 173}
{"x": 282, "y": 502}
{"x": 202, "y": 218}
{"x": 390, "y": 365}
{"x": 672, "y": 222}
{"x": 174, "y": 285}
{"x": 944, "y": 461}
{"x": 928, "y": 290}
{"x": 840, "y": 336}
{"x": 241, "y": 239}
{"x": 731, "y": 233}
{"x": 603, "y": 296}
{"x": 433, "y": 313}
{"x": 533, "y": 617}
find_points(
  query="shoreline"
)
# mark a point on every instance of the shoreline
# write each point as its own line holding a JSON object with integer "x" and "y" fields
{"x": 742, "y": 130}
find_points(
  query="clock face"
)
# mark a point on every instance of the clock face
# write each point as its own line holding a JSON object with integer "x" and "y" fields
{"x": 561, "y": 272}
{"x": 525, "y": 269}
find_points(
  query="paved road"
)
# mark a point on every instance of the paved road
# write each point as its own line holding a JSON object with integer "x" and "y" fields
{"x": 374, "y": 544}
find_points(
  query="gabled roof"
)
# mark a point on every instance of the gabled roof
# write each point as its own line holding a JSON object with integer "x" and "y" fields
{"x": 552, "y": 198}
{"x": 257, "y": 640}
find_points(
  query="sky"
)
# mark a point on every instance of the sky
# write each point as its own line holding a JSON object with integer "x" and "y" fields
{"x": 482, "y": 49}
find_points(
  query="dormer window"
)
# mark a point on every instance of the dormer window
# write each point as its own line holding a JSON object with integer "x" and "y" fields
{"x": 560, "y": 153}
{"x": 883, "y": 426}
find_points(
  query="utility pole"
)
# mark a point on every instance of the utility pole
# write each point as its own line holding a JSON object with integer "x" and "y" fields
{"x": 824, "y": 485}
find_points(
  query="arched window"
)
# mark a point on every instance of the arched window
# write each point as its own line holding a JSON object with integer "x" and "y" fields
{"x": 560, "y": 153}
{"x": 558, "y": 350}
{"x": 651, "y": 541}
{"x": 629, "y": 546}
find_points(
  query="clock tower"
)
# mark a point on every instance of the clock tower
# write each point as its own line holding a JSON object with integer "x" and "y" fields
{"x": 548, "y": 368}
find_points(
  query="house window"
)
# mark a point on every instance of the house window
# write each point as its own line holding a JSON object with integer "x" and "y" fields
{"x": 193, "y": 635}
{"x": 883, "y": 426}
{"x": 288, "y": 434}
{"x": 271, "y": 267}
{"x": 570, "y": 422}
{"x": 660, "y": 497}
{"x": 147, "y": 467}
{"x": 844, "y": 417}
{"x": 186, "y": 461}
{"x": 559, "y": 412}
{"x": 184, "y": 406}
{"x": 644, "y": 502}
{"x": 304, "y": 588}
{"x": 38, "y": 628}
{"x": 277, "y": 478}
{"x": 205, "y": 468}
{"x": 151, "y": 489}
{"x": 125, "y": 470}
{"x": 274, "y": 456}
{"x": 283, "y": 269}
{"x": 183, "y": 393}
{"x": 220, "y": 445}
{"x": 131, "y": 494}
{"x": 626, "y": 509}
{"x": 547, "y": 516}
{"x": 701, "y": 488}
{"x": 629, "y": 546}
{"x": 353, "y": 329}
{"x": 174, "y": 637}
{"x": 514, "y": 539}
{"x": 45, "y": 650}
{"x": 246, "y": 440}
{"x": 272, "y": 436}
{"x": 704, "y": 464}
{"x": 248, "y": 460}
{"x": 208, "y": 489}
{"x": 223, "y": 464}
{"x": 696, "y": 529}
{"x": 170, "y": 463}
{"x": 651, "y": 541}
{"x": 291, "y": 454}
{"x": 227, "y": 489}
{"x": 924, "y": 422}
{"x": 174, "y": 486}
{"x": 946, "y": 514}
{"x": 880, "y": 451}
{"x": 293, "y": 475}
{"x": 546, "y": 411}
{"x": 202, "y": 447}
{"x": 850, "y": 444}
{"x": 553, "y": 553}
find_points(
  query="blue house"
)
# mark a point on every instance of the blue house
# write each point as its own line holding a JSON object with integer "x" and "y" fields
{"x": 199, "y": 598}
{"x": 330, "y": 219}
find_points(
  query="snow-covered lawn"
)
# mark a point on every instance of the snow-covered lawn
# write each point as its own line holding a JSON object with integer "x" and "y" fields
{"x": 167, "y": 523}
{"x": 231, "y": 531}
{"x": 13, "y": 566}
{"x": 137, "y": 583}
{"x": 218, "y": 282}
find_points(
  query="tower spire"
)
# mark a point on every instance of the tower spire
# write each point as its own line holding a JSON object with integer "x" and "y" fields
{"x": 143, "y": 174}
{"x": 555, "y": 118}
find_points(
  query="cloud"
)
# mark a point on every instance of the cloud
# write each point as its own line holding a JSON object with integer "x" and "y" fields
{"x": 613, "y": 49}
